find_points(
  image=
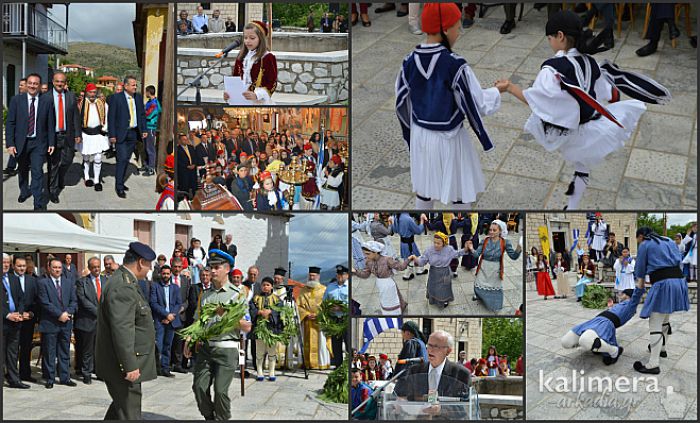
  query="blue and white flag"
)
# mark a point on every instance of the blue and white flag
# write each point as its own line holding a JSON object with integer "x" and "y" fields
{"x": 576, "y": 234}
{"x": 319, "y": 169}
{"x": 376, "y": 325}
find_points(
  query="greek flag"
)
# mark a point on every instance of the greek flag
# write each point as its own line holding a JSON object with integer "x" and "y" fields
{"x": 576, "y": 234}
{"x": 319, "y": 169}
{"x": 376, "y": 325}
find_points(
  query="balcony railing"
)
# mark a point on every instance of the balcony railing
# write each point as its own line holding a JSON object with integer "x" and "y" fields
{"x": 38, "y": 25}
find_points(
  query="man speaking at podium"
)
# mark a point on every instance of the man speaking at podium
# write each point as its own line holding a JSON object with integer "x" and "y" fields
{"x": 438, "y": 376}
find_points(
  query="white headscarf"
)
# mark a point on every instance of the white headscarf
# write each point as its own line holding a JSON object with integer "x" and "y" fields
{"x": 504, "y": 228}
{"x": 373, "y": 246}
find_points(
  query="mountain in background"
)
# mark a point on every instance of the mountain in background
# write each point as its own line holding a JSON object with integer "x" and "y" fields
{"x": 106, "y": 59}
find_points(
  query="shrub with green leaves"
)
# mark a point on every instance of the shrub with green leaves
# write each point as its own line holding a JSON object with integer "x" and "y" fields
{"x": 595, "y": 296}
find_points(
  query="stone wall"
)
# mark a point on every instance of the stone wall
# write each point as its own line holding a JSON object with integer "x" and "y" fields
{"x": 501, "y": 412}
{"x": 299, "y": 73}
{"x": 281, "y": 41}
{"x": 623, "y": 224}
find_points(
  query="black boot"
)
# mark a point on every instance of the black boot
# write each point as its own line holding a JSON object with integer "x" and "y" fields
{"x": 648, "y": 49}
{"x": 507, "y": 27}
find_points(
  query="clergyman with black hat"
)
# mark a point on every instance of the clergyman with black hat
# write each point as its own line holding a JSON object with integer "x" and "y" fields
{"x": 217, "y": 358}
{"x": 316, "y": 346}
{"x": 338, "y": 290}
{"x": 125, "y": 350}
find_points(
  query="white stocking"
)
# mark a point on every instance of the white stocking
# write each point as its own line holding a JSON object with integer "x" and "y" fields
{"x": 570, "y": 340}
{"x": 580, "y": 184}
{"x": 588, "y": 339}
{"x": 656, "y": 339}
{"x": 87, "y": 158}
{"x": 97, "y": 167}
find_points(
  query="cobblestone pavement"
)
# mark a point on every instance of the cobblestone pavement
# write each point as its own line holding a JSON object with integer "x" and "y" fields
{"x": 656, "y": 169}
{"x": 291, "y": 397}
{"x": 76, "y": 196}
{"x": 548, "y": 321}
{"x": 366, "y": 293}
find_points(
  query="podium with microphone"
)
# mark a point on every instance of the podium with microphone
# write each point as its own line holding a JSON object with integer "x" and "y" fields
{"x": 196, "y": 83}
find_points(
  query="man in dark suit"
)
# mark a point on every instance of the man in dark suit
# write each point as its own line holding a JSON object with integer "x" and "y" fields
{"x": 165, "y": 303}
{"x": 127, "y": 124}
{"x": 183, "y": 282}
{"x": 447, "y": 378}
{"x": 30, "y": 136}
{"x": 69, "y": 268}
{"x": 125, "y": 344}
{"x": 68, "y": 130}
{"x": 249, "y": 146}
{"x": 14, "y": 313}
{"x": 59, "y": 303}
{"x": 205, "y": 151}
{"x": 88, "y": 290}
{"x": 186, "y": 166}
{"x": 29, "y": 286}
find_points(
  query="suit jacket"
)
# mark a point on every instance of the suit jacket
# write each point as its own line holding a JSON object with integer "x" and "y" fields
{"x": 248, "y": 146}
{"x": 118, "y": 116}
{"x": 18, "y": 121}
{"x": 31, "y": 294}
{"x": 126, "y": 338}
{"x": 146, "y": 288}
{"x": 86, "y": 317}
{"x": 17, "y": 298}
{"x": 157, "y": 303}
{"x": 454, "y": 381}
{"x": 205, "y": 154}
{"x": 52, "y": 308}
{"x": 185, "y": 284}
{"x": 71, "y": 271}
{"x": 186, "y": 178}
{"x": 71, "y": 119}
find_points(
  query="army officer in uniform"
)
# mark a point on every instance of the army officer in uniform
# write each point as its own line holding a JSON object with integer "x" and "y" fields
{"x": 125, "y": 344}
{"x": 217, "y": 358}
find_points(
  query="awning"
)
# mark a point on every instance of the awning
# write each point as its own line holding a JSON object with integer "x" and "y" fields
{"x": 51, "y": 233}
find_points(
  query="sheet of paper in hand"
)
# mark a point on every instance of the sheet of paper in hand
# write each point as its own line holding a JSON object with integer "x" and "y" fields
{"x": 235, "y": 87}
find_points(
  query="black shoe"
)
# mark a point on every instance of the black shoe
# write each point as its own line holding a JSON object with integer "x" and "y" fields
{"x": 638, "y": 366}
{"x": 178, "y": 369}
{"x": 40, "y": 207}
{"x": 385, "y": 8}
{"x": 87, "y": 380}
{"x": 475, "y": 298}
{"x": 98, "y": 187}
{"x": 126, "y": 188}
{"x": 69, "y": 383}
{"x": 29, "y": 379}
{"x": 121, "y": 194}
{"x": 23, "y": 198}
{"x": 167, "y": 373}
{"x": 89, "y": 183}
{"x": 409, "y": 278}
{"x": 9, "y": 172}
{"x": 694, "y": 41}
{"x": 401, "y": 13}
{"x": 19, "y": 385}
{"x": 673, "y": 31}
{"x": 663, "y": 354}
{"x": 647, "y": 49}
{"x": 48, "y": 385}
{"x": 607, "y": 360}
{"x": 578, "y": 300}
{"x": 54, "y": 199}
{"x": 507, "y": 27}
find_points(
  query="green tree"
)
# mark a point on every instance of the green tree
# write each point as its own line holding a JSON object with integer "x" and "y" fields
{"x": 652, "y": 221}
{"x": 295, "y": 14}
{"x": 505, "y": 334}
{"x": 77, "y": 81}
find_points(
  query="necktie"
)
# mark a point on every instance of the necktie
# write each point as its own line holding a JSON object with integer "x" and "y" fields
{"x": 32, "y": 117}
{"x": 132, "y": 112}
{"x": 187, "y": 152}
{"x": 99, "y": 288}
{"x": 9, "y": 293}
{"x": 58, "y": 288}
{"x": 61, "y": 124}
{"x": 177, "y": 280}
{"x": 432, "y": 380}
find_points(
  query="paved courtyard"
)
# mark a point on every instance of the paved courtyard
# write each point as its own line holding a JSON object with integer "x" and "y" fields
{"x": 291, "y": 397}
{"x": 656, "y": 169}
{"x": 548, "y": 321}
{"x": 366, "y": 293}
{"x": 76, "y": 196}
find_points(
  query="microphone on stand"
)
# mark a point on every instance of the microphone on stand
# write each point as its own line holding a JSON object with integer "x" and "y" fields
{"x": 415, "y": 360}
{"x": 234, "y": 45}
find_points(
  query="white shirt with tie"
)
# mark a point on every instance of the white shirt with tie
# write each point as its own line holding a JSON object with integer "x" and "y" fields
{"x": 131, "y": 102}
{"x": 437, "y": 370}
{"x": 94, "y": 282}
{"x": 36, "y": 111}
{"x": 55, "y": 107}
{"x": 21, "y": 281}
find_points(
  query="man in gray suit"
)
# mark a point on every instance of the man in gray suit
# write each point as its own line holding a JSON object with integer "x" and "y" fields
{"x": 68, "y": 130}
{"x": 30, "y": 136}
{"x": 88, "y": 290}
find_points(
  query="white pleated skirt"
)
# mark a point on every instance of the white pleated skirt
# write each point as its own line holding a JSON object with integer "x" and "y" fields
{"x": 93, "y": 144}
{"x": 591, "y": 142}
{"x": 445, "y": 165}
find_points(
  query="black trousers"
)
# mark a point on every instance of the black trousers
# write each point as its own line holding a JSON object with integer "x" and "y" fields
{"x": 337, "y": 347}
{"x": 11, "y": 350}
{"x": 126, "y": 400}
{"x": 32, "y": 158}
{"x": 85, "y": 352}
{"x": 26, "y": 337}
{"x": 58, "y": 164}
{"x": 177, "y": 358}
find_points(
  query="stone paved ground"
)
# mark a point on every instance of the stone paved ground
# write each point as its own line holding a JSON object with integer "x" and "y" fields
{"x": 548, "y": 321}
{"x": 76, "y": 196}
{"x": 291, "y": 397}
{"x": 366, "y": 293}
{"x": 656, "y": 169}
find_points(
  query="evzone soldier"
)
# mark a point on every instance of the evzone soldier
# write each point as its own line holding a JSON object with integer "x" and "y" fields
{"x": 261, "y": 309}
{"x": 93, "y": 115}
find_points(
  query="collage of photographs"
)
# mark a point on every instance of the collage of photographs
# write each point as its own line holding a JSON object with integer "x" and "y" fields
{"x": 349, "y": 211}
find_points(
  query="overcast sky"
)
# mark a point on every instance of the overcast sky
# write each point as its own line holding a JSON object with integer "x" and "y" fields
{"x": 108, "y": 23}
{"x": 678, "y": 218}
{"x": 318, "y": 239}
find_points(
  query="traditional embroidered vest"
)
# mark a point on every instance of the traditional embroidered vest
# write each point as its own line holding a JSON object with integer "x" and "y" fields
{"x": 584, "y": 73}
{"x": 481, "y": 257}
{"x": 86, "y": 115}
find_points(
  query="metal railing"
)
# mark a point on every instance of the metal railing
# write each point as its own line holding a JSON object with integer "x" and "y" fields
{"x": 38, "y": 25}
